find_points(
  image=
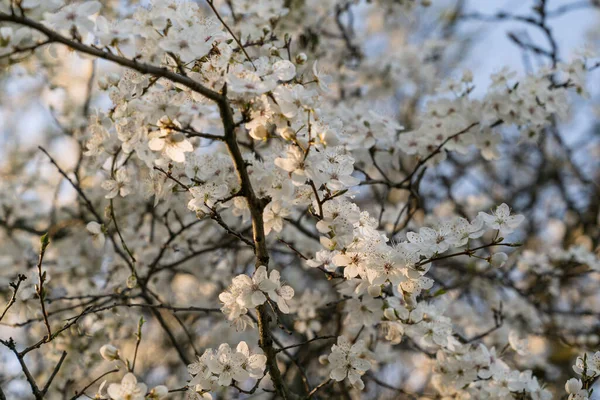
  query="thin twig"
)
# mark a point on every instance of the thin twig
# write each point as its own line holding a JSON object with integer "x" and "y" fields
{"x": 82, "y": 391}
{"x": 42, "y": 278}
{"x": 13, "y": 298}
{"x": 212, "y": 6}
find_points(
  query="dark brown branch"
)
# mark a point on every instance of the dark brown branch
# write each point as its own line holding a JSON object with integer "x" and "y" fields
{"x": 40, "y": 287}
{"x": 10, "y": 343}
{"x": 13, "y": 298}
{"x": 54, "y": 372}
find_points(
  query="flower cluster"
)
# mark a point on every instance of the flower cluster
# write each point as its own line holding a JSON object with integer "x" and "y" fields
{"x": 223, "y": 366}
{"x": 529, "y": 104}
{"x": 242, "y": 135}
{"x": 246, "y": 292}
{"x": 478, "y": 372}
{"x": 588, "y": 368}
{"x": 348, "y": 361}
{"x": 131, "y": 389}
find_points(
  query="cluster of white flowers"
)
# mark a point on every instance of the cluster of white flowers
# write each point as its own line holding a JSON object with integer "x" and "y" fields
{"x": 528, "y": 104}
{"x": 285, "y": 151}
{"x": 223, "y": 366}
{"x": 478, "y": 372}
{"x": 369, "y": 263}
{"x": 588, "y": 368}
{"x": 348, "y": 360}
{"x": 246, "y": 292}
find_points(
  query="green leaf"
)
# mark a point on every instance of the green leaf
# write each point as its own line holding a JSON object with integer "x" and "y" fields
{"x": 45, "y": 241}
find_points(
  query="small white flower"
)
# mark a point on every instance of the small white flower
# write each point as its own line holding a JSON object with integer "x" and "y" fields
{"x": 521, "y": 346}
{"x": 128, "y": 389}
{"x": 323, "y": 80}
{"x": 222, "y": 367}
{"x": 347, "y": 362}
{"x": 246, "y": 292}
{"x": 273, "y": 216}
{"x": 574, "y": 388}
{"x": 252, "y": 290}
{"x": 206, "y": 196}
{"x": 98, "y": 238}
{"x": 121, "y": 185}
{"x": 284, "y": 70}
{"x": 172, "y": 143}
{"x": 502, "y": 220}
{"x": 228, "y": 365}
{"x": 280, "y": 293}
{"x": 186, "y": 44}
{"x": 75, "y": 16}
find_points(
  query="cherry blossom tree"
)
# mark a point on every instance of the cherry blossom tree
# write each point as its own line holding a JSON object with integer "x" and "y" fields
{"x": 288, "y": 199}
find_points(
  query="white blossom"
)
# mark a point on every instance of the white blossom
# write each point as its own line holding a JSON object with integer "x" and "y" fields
{"x": 128, "y": 389}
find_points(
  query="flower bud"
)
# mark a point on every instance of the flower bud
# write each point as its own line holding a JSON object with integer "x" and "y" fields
{"x": 259, "y": 133}
{"x": 158, "y": 393}
{"x": 113, "y": 79}
{"x": 288, "y": 133}
{"x": 131, "y": 281}
{"x": 103, "y": 83}
{"x": 301, "y": 58}
{"x": 274, "y": 51}
{"x": 498, "y": 259}
{"x": 467, "y": 76}
{"x": 573, "y": 385}
{"x": 390, "y": 314}
{"x": 109, "y": 352}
